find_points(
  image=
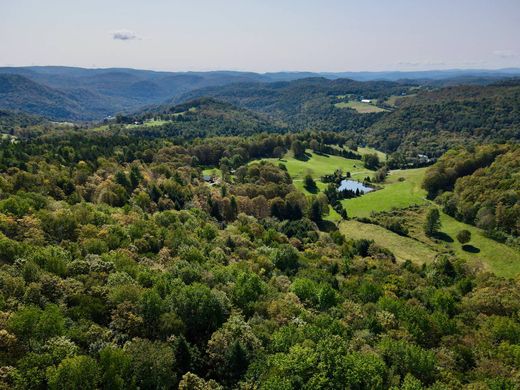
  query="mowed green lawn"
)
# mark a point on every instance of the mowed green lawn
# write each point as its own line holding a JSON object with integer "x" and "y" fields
{"x": 319, "y": 165}
{"x": 361, "y": 107}
{"x": 394, "y": 194}
{"x": 368, "y": 150}
{"x": 151, "y": 123}
{"x": 492, "y": 255}
{"x": 404, "y": 248}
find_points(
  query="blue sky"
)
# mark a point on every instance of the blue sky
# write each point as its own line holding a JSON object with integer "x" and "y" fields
{"x": 262, "y": 36}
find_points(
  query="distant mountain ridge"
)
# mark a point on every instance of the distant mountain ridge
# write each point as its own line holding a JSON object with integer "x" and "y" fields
{"x": 80, "y": 94}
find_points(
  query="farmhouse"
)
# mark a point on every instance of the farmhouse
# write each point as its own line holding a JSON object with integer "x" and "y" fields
{"x": 423, "y": 159}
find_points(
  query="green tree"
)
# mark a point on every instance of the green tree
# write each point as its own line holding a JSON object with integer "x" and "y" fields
{"x": 248, "y": 288}
{"x": 116, "y": 369}
{"x": 310, "y": 184}
{"x": 464, "y": 236}
{"x": 78, "y": 372}
{"x": 285, "y": 258}
{"x": 371, "y": 161}
{"x": 298, "y": 149}
{"x": 433, "y": 222}
{"x": 201, "y": 309}
{"x": 153, "y": 364}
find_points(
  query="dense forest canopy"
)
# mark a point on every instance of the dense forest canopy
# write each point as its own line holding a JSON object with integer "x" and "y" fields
{"x": 122, "y": 268}
{"x": 434, "y": 121}
{"x": 173, "y": 247}
{"x": 480, "y": 186}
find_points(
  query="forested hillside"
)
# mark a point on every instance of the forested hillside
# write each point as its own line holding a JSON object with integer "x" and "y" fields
{"x": 306, "y": 104}
{"x": 406, "y": 119}
{"x": 480, "y": 186}
{"x": 432, "y": 122}
{"x": 122, "y": 267}
{"x": 210, "y": 244}
{"x": 20, "y": 93}
{"x": 428, "y": 122}
{"x": 199, "y": 118}
{"x": 10, "y": 120}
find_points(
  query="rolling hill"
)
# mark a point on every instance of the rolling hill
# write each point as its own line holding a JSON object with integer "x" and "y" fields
{"x": 69, "y": 93}
{"x": 431, "y": 122}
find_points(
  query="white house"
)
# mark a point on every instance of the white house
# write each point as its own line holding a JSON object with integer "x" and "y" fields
{"x": 366, "y": 101}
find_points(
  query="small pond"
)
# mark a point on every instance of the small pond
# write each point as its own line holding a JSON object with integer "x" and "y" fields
{"x": 353, "y": 186}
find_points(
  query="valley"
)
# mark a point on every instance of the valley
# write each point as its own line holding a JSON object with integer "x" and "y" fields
{"x": 257, "y": 235}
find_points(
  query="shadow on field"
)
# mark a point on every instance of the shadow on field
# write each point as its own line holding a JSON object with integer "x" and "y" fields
{"x": 470, "y": 248}
{"x": 443, "y": 237}
{"x": 306, "y": 156}
{"x": 327, "y": 226}
{"x": 313, "y": 190}
{"x": 321, "y": 154}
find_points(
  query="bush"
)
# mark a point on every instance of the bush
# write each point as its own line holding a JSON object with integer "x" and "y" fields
{"x": 464, "y": 236}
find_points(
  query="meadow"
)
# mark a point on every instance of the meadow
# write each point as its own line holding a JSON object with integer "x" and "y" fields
{"x": 480, "y": 251}
{"x": 484, "y": 253}
{"x": 401, "y": 189}
{"x": 361, "y": 107}
{"x": 404, "y": 248}
{"x": 318, "y": 165}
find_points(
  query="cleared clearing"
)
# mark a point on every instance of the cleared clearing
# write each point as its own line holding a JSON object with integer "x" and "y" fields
{"x": 318, "y": 165}
{"x": 402, "y": 189}
{"x": 404, "y": 248}
{"x": 361, "y": 107}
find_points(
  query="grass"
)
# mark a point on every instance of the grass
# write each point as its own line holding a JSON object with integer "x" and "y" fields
{"x": 318, "y": 165}
{"x": 368, "y": 150}
{"x": 398, "y": 194}
{"x": 362, "y": 108}
{"x": 394, "y": 194}
{"x": 481, "y": 251}
{"x": 484, "y": 253}
{"x": 150, "y": 123}
{"x": 212, "y": 172}
{"x": 496, "y": 257}
{"x": 404, "y": 248}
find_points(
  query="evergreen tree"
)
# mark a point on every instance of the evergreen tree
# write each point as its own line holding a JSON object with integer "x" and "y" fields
{"x": 433, "y": 222}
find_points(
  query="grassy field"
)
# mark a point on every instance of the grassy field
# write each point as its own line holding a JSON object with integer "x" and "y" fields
{"x": 368, "y": 150}
{"x": 404, "y": 248}
{"x": 394, "y": 194}
{"x": 401, "y": 190}
{"x": 496, "y": 257}
{"x": 362, "y": 108}
{"x": 318, "y": 165}
{"x": 151, "y": 123}
{"x": 481, "y": 251}
{"x": 212, "y": 172}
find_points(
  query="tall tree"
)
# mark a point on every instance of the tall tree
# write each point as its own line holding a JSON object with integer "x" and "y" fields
{"x": 433, "y": 222}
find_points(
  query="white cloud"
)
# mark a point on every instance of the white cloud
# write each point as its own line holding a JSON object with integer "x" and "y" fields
{"x": 124, "y": 35}
{"x": 505, "y": 53}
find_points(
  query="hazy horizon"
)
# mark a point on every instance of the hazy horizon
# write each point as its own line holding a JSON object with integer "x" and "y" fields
{"x": 505, "y": 69}
{"x": 266, "y": 36}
